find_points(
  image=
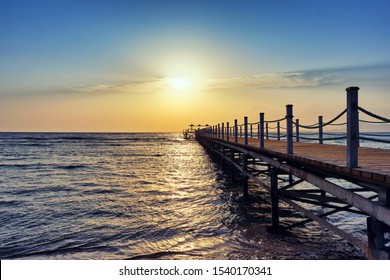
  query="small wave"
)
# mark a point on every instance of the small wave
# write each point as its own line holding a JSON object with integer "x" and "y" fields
{"x": 161, "y": 254}
{"x": 6, "y": 203}
{"x": 71, "y": 166}
{"x": 101, "y": 191}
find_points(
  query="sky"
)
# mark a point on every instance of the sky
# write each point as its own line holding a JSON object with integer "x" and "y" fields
{"x": 155, "y": 66}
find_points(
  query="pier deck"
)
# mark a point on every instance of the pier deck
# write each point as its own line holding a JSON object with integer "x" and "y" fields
{"x": 341, "y": 178}
{"x": 374, "y": 164}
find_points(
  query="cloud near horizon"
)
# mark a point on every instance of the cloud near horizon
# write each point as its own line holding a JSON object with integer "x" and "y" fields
{"x": 273, "y": 80}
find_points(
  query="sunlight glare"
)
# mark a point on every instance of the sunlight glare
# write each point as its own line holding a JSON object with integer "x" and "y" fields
{"x": 180, "y": 83}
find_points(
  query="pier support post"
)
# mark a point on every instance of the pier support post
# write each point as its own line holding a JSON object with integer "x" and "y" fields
{"x": 219, "y": 131}
{"x": 274, "y": 200}
{"x": 352, "y": 127}
{"x": 261, "y": 125}
{"x": 235, "y": 131}
{"x": 297, "y": 130}
{"x": 232, "y": 158}
{"x": 376, "y": 231}
{"x": 227, "y": 131}
{"x": 278, "y": 130}
{"x": 246, "y": 130}
{"x": 289, "y": 125}
{"x": 320, "y": 130}
{"x": 223, "y": 131}
{"x": 244, "y": 174}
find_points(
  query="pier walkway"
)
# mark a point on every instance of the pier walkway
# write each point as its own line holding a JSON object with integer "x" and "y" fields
{"x": 342, "y": 178}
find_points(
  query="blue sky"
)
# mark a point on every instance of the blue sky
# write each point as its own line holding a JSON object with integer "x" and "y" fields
{"x": 64, "y": 48}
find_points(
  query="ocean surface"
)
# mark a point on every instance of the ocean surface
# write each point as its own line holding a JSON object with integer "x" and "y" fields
{"x": 139, "y": 196}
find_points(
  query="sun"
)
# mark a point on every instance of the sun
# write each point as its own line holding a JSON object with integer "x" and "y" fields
{"x": 180, "y": 83}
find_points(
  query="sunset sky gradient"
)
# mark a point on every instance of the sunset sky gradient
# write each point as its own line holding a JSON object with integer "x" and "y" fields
{"x": 109, "y": 65}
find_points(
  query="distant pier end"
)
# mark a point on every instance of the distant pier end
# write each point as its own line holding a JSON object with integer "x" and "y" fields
{"x": 189, "y": 133}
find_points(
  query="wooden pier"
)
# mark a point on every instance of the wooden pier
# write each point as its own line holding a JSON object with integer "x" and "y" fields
{"x": 342, "y": 177}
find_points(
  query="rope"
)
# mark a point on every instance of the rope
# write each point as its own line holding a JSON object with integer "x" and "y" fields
{"x": 374, "y": 140}
{"x": 334, "y": 124}
{"x": 304, "y": 133}
{"x": 374, "y": 115}
{"x": 315, "y": 126}
{"x": 279, "y": 120}
{"x": 365, "y": 121}
{"x": 324, "y": 139}
{"x": 329, "y": 133}
{"x": 377, "y": 135}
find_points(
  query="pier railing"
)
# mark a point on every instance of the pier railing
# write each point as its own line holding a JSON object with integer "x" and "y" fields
{"x": 274, "y": 129}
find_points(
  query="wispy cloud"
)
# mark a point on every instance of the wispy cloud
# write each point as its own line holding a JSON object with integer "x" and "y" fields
{"x": 272, "y": 80}
{"x": 144, "y": 85}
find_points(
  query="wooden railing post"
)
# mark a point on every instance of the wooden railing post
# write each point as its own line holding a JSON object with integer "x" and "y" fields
{"x": 223, "y": 131}
{"x": 261, "y": 124}
{"x": 246, "y": 130}
{"x": 251, "y": 131}
{"x": 297, "y": 130}
{"x": 235, "y": 131}
{"x": 278, "y": 130}
{"x": 266, "y": 131}
{"x": 289, "y": 126}
{"x": 352, "y": 127}
{"x": 227, "y": 131}
{"x": 320, "y": 130}
{"x": 219, "y": 131}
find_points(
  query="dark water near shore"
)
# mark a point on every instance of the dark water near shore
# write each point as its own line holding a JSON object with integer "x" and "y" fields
{"x": 133, "y": 195}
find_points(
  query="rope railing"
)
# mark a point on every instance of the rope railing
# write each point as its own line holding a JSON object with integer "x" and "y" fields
{"x": 374, "y": 139}
{"x": 317, "y": 125}
{"x": 375, "y": 116}
{"x": 376, "y": 135}
{"x": 262, "y": 129}
{"x": 274, "y": 121}
{"x": 336, "y": 124}
{"x": 324, "y": 138}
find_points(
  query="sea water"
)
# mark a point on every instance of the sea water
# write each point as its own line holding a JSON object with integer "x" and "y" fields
{"x": 138, "y": 196}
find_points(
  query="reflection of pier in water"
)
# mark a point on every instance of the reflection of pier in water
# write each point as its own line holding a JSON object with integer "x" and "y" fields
{"x": 342, "y": 178}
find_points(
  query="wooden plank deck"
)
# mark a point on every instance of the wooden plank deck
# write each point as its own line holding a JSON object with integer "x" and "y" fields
{"x": 374, "y": 164}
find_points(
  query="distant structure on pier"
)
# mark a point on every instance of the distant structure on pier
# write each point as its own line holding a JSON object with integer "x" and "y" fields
{"x": 189, "y": 133}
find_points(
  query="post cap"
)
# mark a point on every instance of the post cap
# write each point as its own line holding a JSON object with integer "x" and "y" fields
{"x": 352, "y": 88}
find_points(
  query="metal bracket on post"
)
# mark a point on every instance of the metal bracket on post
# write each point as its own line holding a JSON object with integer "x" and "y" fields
{"x": 352, "y": 127}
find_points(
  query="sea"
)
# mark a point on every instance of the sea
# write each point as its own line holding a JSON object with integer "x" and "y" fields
{"x": 129, "y": 196}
